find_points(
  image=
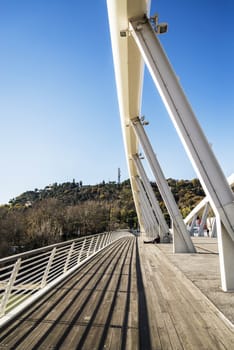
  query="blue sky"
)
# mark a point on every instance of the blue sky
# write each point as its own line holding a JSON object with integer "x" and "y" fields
{"x": 58, "y": 105}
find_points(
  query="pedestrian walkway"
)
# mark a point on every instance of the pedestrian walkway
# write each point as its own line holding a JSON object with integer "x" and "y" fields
{"x": 181, "y": 316}
{"x": 130, "y": 296}
{"x": 203, "y": 270}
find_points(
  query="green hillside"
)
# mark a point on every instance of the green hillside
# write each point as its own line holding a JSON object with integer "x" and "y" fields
{"x": 69, "y": 210}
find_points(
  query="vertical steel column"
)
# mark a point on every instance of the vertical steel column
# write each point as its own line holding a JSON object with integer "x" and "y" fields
{"x": 164, "y": 229}
{"x": 181, "y": 238}
{"x": 196, "y": 145}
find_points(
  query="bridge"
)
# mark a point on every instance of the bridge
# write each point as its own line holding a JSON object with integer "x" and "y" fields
{"x": 113, "y": 291}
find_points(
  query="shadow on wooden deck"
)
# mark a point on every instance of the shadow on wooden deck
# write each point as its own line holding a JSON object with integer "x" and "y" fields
{"x": 101, "y": 306}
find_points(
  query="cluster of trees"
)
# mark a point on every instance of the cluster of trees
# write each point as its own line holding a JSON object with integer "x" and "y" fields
{"x": 69, "y": 210}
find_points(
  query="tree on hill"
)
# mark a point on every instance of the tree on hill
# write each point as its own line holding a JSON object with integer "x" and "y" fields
{"x": 68, "y": 210}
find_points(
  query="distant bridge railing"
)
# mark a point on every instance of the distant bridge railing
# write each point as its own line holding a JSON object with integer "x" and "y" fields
{"x": 25, "y": 277}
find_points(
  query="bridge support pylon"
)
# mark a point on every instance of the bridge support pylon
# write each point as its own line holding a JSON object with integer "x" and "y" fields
{"x": 182, "y": 242}
{"x": 208, "y": 170}
{"x": 153, "y": 230}
{"x": 163, "y": 227}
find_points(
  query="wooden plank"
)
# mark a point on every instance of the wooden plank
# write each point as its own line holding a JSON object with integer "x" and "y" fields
{"x": 172, "y": 333}
{"x": 72, "y": 341}
{"x": 113, "y": 341}
{"x": 182, "y": 310}
{"x": 132, "y": 339}
{"x": 124, "y": 298}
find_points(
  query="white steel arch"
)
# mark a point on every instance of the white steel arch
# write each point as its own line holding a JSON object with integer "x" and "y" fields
{"x": 129, "y": 66}
{"x": 129, "y": 90}
{"x": 133, "y": 38}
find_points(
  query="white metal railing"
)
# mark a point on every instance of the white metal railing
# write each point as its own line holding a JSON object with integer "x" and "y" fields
{"x": 25, "y": 277}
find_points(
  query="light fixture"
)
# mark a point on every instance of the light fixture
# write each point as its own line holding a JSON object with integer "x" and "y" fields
{"x": 140, "y": 156}
{"x": 159, "y": 28}
{"x": 123, "y": 33}
{"x": 143, "y": 121}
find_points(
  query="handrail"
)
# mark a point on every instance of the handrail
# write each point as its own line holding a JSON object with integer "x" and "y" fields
{"x": 44, "y": 249}
{"x": 25, "y": 277}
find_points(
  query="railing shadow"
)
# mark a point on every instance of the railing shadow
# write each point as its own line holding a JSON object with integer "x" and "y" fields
{"x": 31, "y": 315}
{"x": 80, "y": 343}
{"x": 144, "y": 329}
{"x": 103, "y": 277}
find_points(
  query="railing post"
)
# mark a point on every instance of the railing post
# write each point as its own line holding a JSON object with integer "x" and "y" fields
{"x": 96, "y": 243}
{"x": 105, "y": 240}
{"x": 47, "y": 270}
{"x": 9, "y": 286}
{"x": 68, "y": 257}
{"x": 102, "y": 239}
{"x": 109, "y": 238}
{"x": 81, "y": 251}
{"x": 90, "y": 245}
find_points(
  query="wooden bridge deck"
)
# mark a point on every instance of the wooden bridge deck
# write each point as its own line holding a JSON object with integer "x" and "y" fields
{"x": 130, "y": 296}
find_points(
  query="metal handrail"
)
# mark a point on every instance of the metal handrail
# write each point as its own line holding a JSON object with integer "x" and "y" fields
{"x": 25, "y": 277}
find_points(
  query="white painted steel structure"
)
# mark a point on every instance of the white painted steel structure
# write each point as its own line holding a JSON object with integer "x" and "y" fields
{"x": 26, "y": 277}
{"x": 134, "y": 39}
{"x": 161, "y": 222}
{"x": 182, "y": 241}
{"x": 129, "y": 76}
{"x": 201, "y": 207}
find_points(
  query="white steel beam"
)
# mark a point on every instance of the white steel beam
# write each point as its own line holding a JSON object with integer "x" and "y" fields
{"x": 154, "y": 225}
{"x": 164, "y": 229}
{"x": 181, "y": 238}
{"x": 128, "y": 66}
{"x": 214, "y": 229}
{"x": 148, "y": 225}
{"x": 196, "y": 145}
{"x": 203, "y": 202}
{"x": 144, "y": 208}
{"x": 196, "y": 210}
{"x": 145, "y": 228}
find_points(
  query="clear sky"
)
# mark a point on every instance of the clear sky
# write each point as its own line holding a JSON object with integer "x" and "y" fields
{"x": 58, "y": 104}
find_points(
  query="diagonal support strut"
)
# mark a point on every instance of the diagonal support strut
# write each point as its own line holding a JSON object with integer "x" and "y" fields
{"x": 208, "y": 170}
